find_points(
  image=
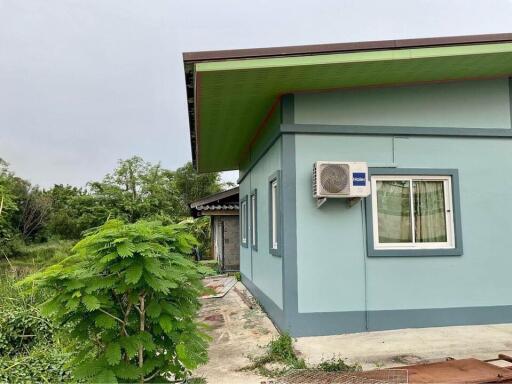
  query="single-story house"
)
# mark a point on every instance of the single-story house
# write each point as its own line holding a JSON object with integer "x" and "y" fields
{"x": 222, "y": 208}
{"x": 416, "y": 135}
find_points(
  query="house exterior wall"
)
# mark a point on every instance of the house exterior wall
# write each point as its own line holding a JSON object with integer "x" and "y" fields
{"x": 467, "y": 104}
{"x": 335, "y": 234}
{"x": 330, "y": 284}
{"x": 334, "y": 273}
{"x": 259, "y": 266}
{"x": 229, "y": 241}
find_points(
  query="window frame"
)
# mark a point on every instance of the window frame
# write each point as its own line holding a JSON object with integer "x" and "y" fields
{"x": 453, "y": 246}
{"x": 253, "y": 203}
{"x": 274, "y": 214}
{"x": 244, "y": 222}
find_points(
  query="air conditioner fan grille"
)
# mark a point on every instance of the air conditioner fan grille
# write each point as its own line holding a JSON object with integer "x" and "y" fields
{"x": 334, "y": 178}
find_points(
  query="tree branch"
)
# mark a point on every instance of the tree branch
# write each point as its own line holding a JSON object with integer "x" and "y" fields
{"x": 112, "y": 316}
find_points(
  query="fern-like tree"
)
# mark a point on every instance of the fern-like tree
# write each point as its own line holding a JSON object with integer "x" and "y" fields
{"x": 129, "y": 298}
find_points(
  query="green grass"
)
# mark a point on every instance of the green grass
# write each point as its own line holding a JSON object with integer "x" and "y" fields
{"x": 26, "y": 259}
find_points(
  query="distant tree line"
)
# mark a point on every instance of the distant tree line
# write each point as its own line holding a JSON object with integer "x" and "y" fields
{"x": 135, "y": 190}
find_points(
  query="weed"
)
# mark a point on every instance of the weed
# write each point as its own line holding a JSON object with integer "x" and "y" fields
{"x": 337, "y": 364}
{"x": 278, "y": 351}
{"x": 238, "y": 276}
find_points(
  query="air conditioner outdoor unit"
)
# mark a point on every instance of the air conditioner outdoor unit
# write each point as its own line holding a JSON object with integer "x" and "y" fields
{"x": 340, "y": 179}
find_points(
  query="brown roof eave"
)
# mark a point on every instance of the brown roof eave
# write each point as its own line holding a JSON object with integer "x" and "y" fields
{"x": 195, "y": 57}
{"x": 190, "y": 58}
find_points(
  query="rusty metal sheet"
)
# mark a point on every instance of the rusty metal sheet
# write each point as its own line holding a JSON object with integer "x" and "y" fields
{"x": 458, "y": 371}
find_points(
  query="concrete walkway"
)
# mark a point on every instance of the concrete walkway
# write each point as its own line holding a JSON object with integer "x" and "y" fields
{"x": 238, "y": 332}
{"x": 410, "y": 346}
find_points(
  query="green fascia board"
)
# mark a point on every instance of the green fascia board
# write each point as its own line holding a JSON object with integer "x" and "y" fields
{"x": 355, "y": 57}
{"x": 235, "y": 97}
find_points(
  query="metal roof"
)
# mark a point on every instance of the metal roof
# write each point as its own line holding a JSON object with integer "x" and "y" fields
{"x": 217, "y": 207}
{"x": 222, "y": 201}
{"x": 231, "y": 93}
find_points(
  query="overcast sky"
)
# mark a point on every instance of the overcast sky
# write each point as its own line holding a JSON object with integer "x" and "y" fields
{"x": 86, "y": 82}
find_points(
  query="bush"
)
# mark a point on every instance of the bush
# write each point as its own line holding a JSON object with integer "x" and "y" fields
{"x": 27, "y": 350}
{"x": 21, "y": 323}
{"x": 129, "y": 298}
{"x": 21, "y": 329}
{"x": 44, "y": 364}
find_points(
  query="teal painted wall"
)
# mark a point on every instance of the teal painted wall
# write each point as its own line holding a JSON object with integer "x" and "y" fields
{"x": 481, "y": 276}
{"x": 262, "y": 268}
{"x": 334, "y": 273}
{"x": 330, "y": 243}
{"x": 469, "y": 104}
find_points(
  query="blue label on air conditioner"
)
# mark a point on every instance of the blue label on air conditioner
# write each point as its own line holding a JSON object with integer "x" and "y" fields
{"x": 359, "y": 179}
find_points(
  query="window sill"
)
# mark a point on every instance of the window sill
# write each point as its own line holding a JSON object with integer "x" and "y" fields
{"x": 414, "y": 252}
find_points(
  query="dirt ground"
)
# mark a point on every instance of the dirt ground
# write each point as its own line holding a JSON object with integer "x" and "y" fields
{"x": 238, "y": 332}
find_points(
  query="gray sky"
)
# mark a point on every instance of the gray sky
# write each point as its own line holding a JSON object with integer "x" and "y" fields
{"x": 86, "y": 82}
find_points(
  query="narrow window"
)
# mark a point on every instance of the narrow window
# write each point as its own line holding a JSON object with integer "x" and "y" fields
{"x": 254, "y": 220}
{"x": 243, "y": 221}
{"x": 412, "y": 212}
{"x": 273, "y": 199}
{"x": 274, "y": 214}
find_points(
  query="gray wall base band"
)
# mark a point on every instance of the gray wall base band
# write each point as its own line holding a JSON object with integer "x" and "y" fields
{"x": 332, "y": 323}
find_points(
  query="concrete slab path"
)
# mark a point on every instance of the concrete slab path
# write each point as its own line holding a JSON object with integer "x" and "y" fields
{"x": 409, "y": 346}
{"x": 238, "y": 331}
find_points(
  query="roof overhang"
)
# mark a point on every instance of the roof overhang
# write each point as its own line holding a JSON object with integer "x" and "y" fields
{"x": 231, "y": 93}
{"x": 221, "y": 203}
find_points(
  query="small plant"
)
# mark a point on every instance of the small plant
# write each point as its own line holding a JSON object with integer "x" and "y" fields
{"x": 281, "y": 351}
{"x": 129, "y": 298}
{"x": 337, "y": 364}
{"x": 238, "y": 276}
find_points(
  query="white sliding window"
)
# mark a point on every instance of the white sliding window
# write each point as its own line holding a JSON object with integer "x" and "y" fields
{"x": 412, "y": 212}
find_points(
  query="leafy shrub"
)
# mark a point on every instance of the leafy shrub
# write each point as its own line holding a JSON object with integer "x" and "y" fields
{"x": 27, "y": 350}
{"x": 21, "y": 323}
{"x": 20, "y": 329}
{"x": 129, "y": 298}
{"x": 44, "y": 364}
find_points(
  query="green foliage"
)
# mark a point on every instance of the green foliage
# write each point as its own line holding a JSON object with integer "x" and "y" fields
{"x": 134, "y": 190}
{"x": 44, "y": 364}
{"x": 21, "y": 323}
{"x": 129, "y": 298}
{"x": 337, "y": 364}
{"x": 280, "y": 351}
{"x": 29, "y": 350}
{"x": 201, "y": 229}
{"x": 192, "y": 186}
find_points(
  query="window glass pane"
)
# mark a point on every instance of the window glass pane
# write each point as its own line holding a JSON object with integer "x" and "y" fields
{"x": 244, "y": 221}
{"x": 274, "y": 215}
{"x": 394, "y": 211}
{"x": 429, "y": 211}
{"x": 253, "y": 219}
